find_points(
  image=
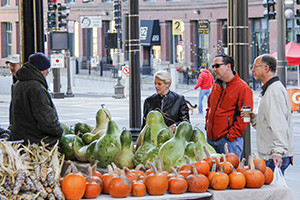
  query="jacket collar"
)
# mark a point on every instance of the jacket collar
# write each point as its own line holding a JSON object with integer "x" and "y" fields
{"x": 221, "y": 83}
{"x": 267, "y": 84}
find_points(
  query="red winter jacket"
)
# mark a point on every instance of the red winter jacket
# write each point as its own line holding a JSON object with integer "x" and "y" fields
{"x": 205, "y": 80}
{"x": 224, "y": 105}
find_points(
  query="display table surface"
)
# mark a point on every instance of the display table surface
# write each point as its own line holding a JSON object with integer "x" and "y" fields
{"x": 267, "y": 192}
{"x": 166, "y": 196}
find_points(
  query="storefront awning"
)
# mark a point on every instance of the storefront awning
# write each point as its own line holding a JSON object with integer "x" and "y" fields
{"x": 149, "y": 33}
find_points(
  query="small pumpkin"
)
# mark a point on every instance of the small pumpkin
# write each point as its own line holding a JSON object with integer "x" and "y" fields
{"x": 177, "y": 184}
{"x": 269, "y": 175}
{"x": 106, "y": 178}
{"x": 74, "y": 184}
{"x": 237, "y": 180}
{"x": 254, "y": 178}
{"x": 220, "y": 180}
{"x": 129, "y": 175}
{"x": 209, "y": 159}
{"x": 202, "y": 167}
{"x": 259, "y": 163}
{"x": 139, "y": 170}
{"x": 212, "y": 172}
{"x": 156, "y": 183}
{"x": 138, "y": 187}
{"x": 197, "y": 182}
{"x": 230, "y": 157}
{"x": 186, "y": 169}
{"x": 93, "y": 189}
{"x": 119, "y": 186}
{"x": 242, "y": 168}
{"x": 227, "y": 168}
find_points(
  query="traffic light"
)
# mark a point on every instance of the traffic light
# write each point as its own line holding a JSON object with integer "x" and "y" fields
{"x": 52, "y": 7}
{"x": 118, "y": 14}
{"x": 298, "y": 13}
{"x": 57, "y": 15}
{"x": 270, "y": 12}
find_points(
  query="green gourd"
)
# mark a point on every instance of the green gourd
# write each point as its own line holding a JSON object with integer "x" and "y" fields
{"x": 125, "y": 157}
{"x": 156, "y": 122}
{"x": 66, "y": 129}
{"x": 140, "y": 155}
{"x": 82, "y": 128}
{"x": 174, "y": 149}
{"x": 199, "y": 139}
{"x": 65, "y": 146}
{"x": 87, "y": 138}
{"x": 103, "y": 116}
{"x": 189, "y": 152}
{"x": 90, "y": 151}
{"x": 79, "y": 149}
{"x": 108, "y": 146}
{"x": 163, "y": 136}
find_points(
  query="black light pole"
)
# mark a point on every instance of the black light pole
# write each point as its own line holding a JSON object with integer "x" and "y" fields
{"x": 238, "y": 48}
{"x": 134, "y": 65}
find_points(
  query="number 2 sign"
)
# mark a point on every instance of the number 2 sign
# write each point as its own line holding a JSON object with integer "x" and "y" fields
{"x": 177, "y": 27}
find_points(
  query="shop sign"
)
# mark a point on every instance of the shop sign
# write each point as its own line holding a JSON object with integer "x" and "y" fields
{"x": 90, "y": 22}
{"x": 203, "y": 26}
{"x": 177, "y": 27}
{"x": 144, "y": 32}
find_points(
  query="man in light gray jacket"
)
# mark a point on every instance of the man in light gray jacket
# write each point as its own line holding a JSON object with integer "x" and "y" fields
{"x": 273, "y": 122}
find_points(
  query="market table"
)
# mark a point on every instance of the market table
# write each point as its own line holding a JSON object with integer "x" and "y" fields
{"x": 266, "y": 192}
{"x": 167, "y": 196}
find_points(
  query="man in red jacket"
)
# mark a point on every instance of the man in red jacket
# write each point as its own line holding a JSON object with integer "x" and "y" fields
{"x": 205, "y": 81}
{"x": 229, "y": 94}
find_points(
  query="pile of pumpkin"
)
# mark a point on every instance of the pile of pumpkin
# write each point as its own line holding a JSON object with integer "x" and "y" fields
{"x": 196, "y": 177}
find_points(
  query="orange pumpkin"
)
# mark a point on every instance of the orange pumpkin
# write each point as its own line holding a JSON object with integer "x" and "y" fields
{"x": 138, "y": 187}
{"x": 156, "y": 183}
{"x": 237, "y": 180}
{"x": 119, "y": 186}
{"x": 106, "y": 178}
{"x": 254, "y": 178}
{"x": 269, "y": 175}
{"x": 259, "y": 163}
{"x": 187, "y": 165}
{"x": 139, "y": 170}
{"x": 209, "y": 159}
{"x": 197, "y": 182}
{"x": 74, "y": 184}
{"x": 177, "y": 184}
{"x": 242, "y": 168}
{"x": 220, "y": 180}
{"x": 202, "y": 167}
{"x": 230, "y": 157}
{"x": 129, "y": 175}
{"x": 93, "y": 189}
{"x": 227, "y": 168}
{"x": 212, "y": 172}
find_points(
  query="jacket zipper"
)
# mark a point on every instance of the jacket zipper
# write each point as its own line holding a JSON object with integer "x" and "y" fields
{"x": 223, "y": 98}
{"x": 228, "y": 123}
{"x": 162, "y": 104}
{"x": 212, "y": 127}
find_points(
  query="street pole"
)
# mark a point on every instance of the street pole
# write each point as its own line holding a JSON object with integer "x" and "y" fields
{"x": 119, "y": 88}
{"x": 281, "y": 63}
{"x": 238, "y": 48}
{"x": 69, "y": 92}
{"x": 134, "y": 72}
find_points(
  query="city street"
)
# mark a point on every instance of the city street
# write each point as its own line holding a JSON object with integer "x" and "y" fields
{"x": 90, "y": 95}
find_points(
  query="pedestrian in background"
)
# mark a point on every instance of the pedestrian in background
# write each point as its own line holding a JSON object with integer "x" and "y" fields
{"x": 34, "y": 116}
{"x": 172, "y": 105}
{"x": 273, "y": 122}
{"x": 229, "y": 94}
{"x": 14, "y": 66}
{"x": 205, "y": 81}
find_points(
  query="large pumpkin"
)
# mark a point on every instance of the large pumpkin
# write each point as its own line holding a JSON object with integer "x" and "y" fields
{"x": 73, "y": 186}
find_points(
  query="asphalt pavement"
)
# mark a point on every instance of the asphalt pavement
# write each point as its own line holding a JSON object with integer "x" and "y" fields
{"x": 91, "y": 91}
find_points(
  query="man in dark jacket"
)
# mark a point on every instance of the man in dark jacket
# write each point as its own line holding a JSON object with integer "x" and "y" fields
{"x": 34, "y": 116}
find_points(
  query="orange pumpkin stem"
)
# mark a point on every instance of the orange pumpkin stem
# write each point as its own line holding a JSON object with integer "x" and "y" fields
{"x": 197, "y": 154}
{"x": 206, "y": 152}
{"x": 226, "y": 148}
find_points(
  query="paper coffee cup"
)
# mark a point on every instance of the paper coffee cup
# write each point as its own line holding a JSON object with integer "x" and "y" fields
{"x": 246, "y": 110}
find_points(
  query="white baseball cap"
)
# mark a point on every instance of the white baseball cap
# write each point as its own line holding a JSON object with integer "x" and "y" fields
{"x": 13, "y": 59}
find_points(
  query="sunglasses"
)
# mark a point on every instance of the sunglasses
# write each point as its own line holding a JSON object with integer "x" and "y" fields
{"x": 217, "y": 65}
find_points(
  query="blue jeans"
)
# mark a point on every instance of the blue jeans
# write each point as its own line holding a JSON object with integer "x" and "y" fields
{"x": 234, "y": 147}
{"x": 286, "y": 161}
{"x": 201, "y": 96}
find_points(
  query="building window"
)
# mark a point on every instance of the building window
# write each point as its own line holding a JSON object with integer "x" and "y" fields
{"x": 5, "y": 3}
{"x": 70, "y": 1}
{"x": 260, "y": 37}
{"x": 108, "y": 0}
{"x": 292, "y": 31}
{"x": 8, "y": 39}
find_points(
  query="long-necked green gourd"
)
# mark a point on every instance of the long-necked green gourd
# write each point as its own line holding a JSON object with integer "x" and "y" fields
{"x": 189, "y": 152}
{"x": 103, "y": 116}
{"x": 173, "y": 150}
{"x": 156, "y": 122}
{"x": 140, "y": 155}
{"x": 163, "y": 136}
{"x": 108, "y": 146}
{"x": 199, "y": 139}
{"x": 125, "y": 157}
{"x": 79, "y": 149}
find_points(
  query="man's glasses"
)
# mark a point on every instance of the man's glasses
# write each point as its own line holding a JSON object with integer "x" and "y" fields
{"x": 217, "y": 65}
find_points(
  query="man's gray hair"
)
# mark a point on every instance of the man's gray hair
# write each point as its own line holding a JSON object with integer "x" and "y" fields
{"x": 269, "y": 60}
{"x": 164, "y": 76}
